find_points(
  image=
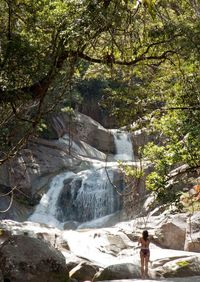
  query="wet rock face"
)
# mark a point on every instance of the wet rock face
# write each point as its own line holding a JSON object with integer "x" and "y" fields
{"x": 24, "y": 259}
{"x": 33, "y": 168}
{"x": 67, "y": 209}
{"x": 88, "y": 196}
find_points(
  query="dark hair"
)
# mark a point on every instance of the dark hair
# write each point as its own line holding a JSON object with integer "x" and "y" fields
{"x": 145, "y": 235}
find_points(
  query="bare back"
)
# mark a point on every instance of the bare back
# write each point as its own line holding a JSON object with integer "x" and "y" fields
{"x": 144, "y": 244}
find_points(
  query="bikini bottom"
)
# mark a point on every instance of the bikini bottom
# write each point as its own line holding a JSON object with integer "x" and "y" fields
{"x": 145, "y": 252}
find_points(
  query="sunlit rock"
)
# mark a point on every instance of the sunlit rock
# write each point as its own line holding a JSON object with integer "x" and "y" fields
{"x": 86, "y": 129}
{"x": 171, "y": 234}
{"x": 184, "y": 266}
{"x": 192, "y": 242}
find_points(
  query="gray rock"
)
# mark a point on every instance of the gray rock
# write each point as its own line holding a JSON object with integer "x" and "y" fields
{"x": 83, "y": 271}
{"x": 86, "y": 129}
{"x": 192, "y": 242}
{"x": 182, "y": 267}
{"x": 70, "y": 225}
{"x": 172, "y": 232}
{"x": 118, "y": 271}
{"x": 24, "y": 259}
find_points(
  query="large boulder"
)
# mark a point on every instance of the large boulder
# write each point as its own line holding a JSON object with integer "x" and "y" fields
{"x": 84, "y": 128}
{"x": 171, "y": 233}
{"x": 176, "y": 267}
{"x": 25, "y": 259}
{"x": 118, "y": 271}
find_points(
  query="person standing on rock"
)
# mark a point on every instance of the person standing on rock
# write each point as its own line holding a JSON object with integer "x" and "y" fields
{"x": 144, "y": 242}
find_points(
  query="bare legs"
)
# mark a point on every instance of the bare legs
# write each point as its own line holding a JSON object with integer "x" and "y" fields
{"x": 144, "y": 265}
{"x": 146, "y": 262}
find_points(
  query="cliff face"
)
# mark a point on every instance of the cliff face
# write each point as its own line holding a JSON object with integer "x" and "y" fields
{"x": 82, "y": 127}
{"x": 26, "y": 177}
{"x": 76, "y": 144}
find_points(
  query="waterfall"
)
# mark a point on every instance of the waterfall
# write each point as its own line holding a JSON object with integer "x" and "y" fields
{"x": 88, "y": 194}
{"x": 85, "y": 196}
{"x": 46, "y": 210}
{"x": 123, "y": 144}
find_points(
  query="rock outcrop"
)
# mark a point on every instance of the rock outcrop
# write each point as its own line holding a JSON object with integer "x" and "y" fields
{"x": 82, "y": 127}
{"x": 24, "y": 259}
{"x": 184, "y": 266}
{"x": 172, "y": 232}
{"x": 83, "y": 271}
{"x": 28, "y": 175}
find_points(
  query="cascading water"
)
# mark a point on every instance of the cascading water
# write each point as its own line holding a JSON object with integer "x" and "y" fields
{"x": 123, "y": 144}
{"x": 90, "y": 195}
{"x": 87, "y": 195}
{"x": 46, "y": 211}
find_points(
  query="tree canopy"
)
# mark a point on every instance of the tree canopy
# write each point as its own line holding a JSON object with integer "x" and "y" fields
{"x": 150, "y": 48}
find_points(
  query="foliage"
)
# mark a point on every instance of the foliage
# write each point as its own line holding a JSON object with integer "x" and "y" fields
{"x": 167, "y": 95}
{"x": 179, "y": 130}
{"x": 129, "y": 171}
{"x": 142, "y": 55}
{"x": 190, "y": 201}
{"x": 44, "y": 46}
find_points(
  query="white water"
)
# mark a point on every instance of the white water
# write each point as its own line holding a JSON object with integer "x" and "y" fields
{"x": 123, "y": 145}
{"x": 92, "y": 195}
{"x": 47, "y": 208}
{"x": 96, "y": 196}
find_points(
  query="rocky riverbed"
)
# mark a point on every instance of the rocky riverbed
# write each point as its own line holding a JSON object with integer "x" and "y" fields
{"x": 73, "y": 242}
{"x": 103, "y": 254}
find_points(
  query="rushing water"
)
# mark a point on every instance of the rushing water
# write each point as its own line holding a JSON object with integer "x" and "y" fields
{"x": 86, "y": 195}
{"x": 46, "y": 211}
{"x": 123, "y": 144}
{"x": 89, "y": 195}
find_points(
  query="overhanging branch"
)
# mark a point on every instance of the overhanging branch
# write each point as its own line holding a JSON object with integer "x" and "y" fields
{"x": 142, "y": 57}
{"x": 39, "y": 89}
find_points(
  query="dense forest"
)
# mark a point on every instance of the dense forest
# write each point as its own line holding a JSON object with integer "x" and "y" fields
{"x": 141, "y": 58}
